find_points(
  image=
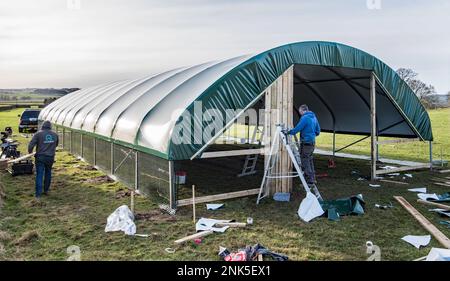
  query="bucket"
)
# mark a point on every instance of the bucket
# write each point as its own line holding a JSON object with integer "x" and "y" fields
{"x": 180, "y": 177}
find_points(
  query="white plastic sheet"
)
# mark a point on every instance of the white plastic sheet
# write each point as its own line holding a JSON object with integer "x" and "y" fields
{"x": 425, "y": 197}
{"x": 438, "y": 254}
{"x": 310, "y": 208}
{"x": 418, "y": 190}
{"x": 417, "y": 241}
{"x": 208, "y": 224}
{"x": 214, "y": 206}
{"x": 122, "y": 219}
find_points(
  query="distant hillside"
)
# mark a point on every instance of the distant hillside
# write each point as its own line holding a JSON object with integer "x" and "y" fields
{"x": 33, "y": 94}
{"x": 442, "y": 100}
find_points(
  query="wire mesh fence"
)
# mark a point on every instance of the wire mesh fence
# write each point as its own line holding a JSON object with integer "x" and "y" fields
{"x": 151, "y": 176}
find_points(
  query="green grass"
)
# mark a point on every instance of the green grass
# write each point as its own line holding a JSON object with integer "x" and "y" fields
{"x": 75, "y": 214}
{"x": 416, "y": 151}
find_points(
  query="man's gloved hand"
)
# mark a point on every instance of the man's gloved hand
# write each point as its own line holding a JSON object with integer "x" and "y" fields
{"x": 286, "y": 131}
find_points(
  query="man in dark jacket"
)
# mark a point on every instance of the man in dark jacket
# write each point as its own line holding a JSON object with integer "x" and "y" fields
{"x": 309, "y": 129}
{"x": 46, "y": 142}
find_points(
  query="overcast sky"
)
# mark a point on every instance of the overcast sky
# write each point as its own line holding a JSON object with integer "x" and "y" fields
{"x": 52, "y": 43}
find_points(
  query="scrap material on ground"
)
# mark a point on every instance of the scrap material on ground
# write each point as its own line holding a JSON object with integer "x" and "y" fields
{"x": 424, "y": 222}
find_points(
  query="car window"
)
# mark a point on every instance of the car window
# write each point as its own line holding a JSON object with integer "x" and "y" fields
{"x": 30, "y": 114}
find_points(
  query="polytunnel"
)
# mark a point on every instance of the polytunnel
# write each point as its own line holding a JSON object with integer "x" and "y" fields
{"x": 127, "y": 128}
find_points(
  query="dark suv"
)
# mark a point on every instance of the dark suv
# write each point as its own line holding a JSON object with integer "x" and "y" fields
{"x": 29, "y": 121}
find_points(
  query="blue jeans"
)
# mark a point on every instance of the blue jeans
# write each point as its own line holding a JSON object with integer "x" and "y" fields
{"x": 43, "y": 173}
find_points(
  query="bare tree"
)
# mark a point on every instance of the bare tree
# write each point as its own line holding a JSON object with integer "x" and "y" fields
{"x": 426, "y": 93}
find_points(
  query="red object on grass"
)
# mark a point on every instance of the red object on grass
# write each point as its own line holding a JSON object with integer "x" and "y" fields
{"x": 331, "y": 163}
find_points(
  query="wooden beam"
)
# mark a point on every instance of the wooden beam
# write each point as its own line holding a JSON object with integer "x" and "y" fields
{"x": 373, "y": 127}
{"x": 217, "y": 197}
{"x": 398, "y": 141}
{"x": 444, "y": 171}
{"x": 21, "y": 158}
{"x": 439, "y": 180}
{"x": 194, "y": 236}
{"x": 402, "y": 169}
{"x": 395, "y": 182}
{"x": 441, "y": 184}
{"x": 231, "y": 224}
{"x": 424, "y": 222}
{"x": 231, "y": 153}
{"x": 441, "y": 206}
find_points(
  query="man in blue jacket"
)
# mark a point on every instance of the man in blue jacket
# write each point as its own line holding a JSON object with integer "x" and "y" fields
{"x": 309, "y": 129}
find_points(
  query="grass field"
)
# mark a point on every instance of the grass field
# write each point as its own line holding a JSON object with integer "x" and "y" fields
{"x": 80, "y": 201}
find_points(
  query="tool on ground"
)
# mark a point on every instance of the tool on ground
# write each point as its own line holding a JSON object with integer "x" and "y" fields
{"x": 293, "y": 149}
{"x": 384, "y": 207}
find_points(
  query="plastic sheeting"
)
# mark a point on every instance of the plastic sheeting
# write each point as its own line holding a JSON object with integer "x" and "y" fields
{"x": 142, "y": 113}
{"x": 122, "y": 219}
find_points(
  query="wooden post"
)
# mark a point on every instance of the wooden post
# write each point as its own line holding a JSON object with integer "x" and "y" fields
{"x": 95, "y": 151}
{"x": 172, "y": 186}
{"x": 373, "y": 125}
{"x": 334, "y": 142}
{"x": 193, "y": 203}
{"x": 431, "y": 155}
{"x": 132, "y": 201}
{"x": 112, "y": 158}
{"x": 81, "y": 145}
{"x": 279, "y": 110}
{"x": 136, "y": 170}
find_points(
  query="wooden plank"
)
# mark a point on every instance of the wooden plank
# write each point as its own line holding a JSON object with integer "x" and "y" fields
{"x": 21, "y": 158}
{"x": 402, "y": 169}
{"x": 424, "y": 222}
{"x": 441, "y": 184}
{"x": 217, "y": 197}
{"x": 441, "y": 206}
{"x": 444, "y": 171}
{"x": 231, "y": 224}
{"x": 395, "y": 182}
{"x": 194, "y": 236}
{"x": 439, "y": 180}
{"x": 231, "y": 153}
{"x": 398, "y": 141}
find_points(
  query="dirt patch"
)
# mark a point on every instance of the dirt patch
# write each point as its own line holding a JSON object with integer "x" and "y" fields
{"x": 154, "y": 215}
{"x": 98, "y": 180}
{"x": 4, "y": 236}
{"x": 27, "y": 237}
{"x": 122, "y": 193}
{"x": 88, "y": 168}
{"x": 36, "y": 203}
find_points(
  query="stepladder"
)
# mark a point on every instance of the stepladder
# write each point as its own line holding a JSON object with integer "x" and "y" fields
{"x": 292, "y": 147}
{"x": 249, "y": 167}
